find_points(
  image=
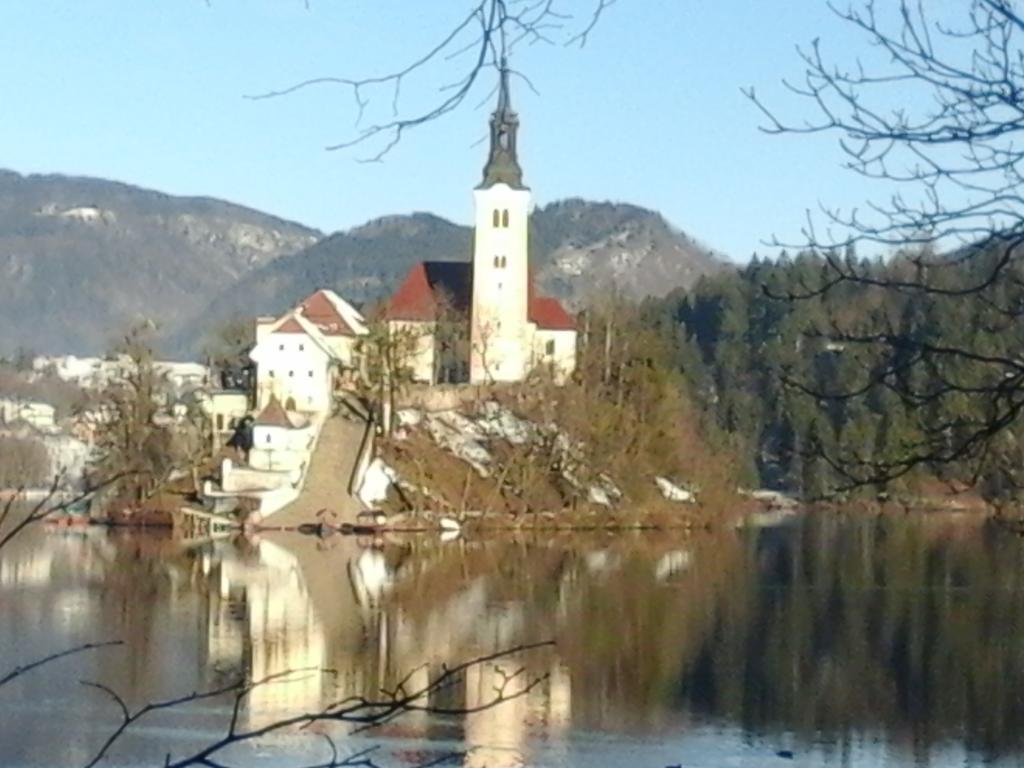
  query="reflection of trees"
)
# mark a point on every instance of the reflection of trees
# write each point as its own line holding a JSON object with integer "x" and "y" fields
{"x": 620, "y": 610}
{"x": 910, "y": 628}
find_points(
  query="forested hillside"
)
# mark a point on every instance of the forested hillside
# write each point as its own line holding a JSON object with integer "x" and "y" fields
{"x": 817, "y": 386}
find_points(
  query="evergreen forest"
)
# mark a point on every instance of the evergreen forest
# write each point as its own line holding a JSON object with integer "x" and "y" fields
{"x": 858, "y": 388}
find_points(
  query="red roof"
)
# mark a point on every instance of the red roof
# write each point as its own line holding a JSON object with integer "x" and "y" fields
{"x": 322, "y": 312}
{"x": 550, "y": 315}
{"x": 427, "y": 285}
{"x": 417, "y": 297}
{"x": 274, "y": 415}
{"x": 291, "y": 325}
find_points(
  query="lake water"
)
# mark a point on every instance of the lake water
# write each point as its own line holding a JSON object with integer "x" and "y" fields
{"x": 827, "y": 641}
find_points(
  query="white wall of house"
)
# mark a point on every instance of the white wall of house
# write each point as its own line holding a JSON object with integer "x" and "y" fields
{"x": 281, "y": 449}
{"x": 555, "y": 350}
{"x": 346, "y": 349}
{"x": 416, "y": 340}
{"x": 500, "y": 344}
{"x": 296, "y": 370}
{"x": 41, "y": 415}
{"x": 225, "y": 408}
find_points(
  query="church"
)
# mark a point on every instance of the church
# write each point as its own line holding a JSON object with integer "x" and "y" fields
{"x": 482, "y": 320}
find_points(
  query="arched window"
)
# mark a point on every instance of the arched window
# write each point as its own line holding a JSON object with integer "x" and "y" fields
{"x": 495, "y": 220}
{"x": 497, "y": 262}
{"x": 504, "y": 218}
{"x": 504, "y": 262}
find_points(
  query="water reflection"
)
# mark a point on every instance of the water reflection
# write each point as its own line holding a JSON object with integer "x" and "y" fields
{"x": 911, "y": 628}
{"x": 826, "y": 634}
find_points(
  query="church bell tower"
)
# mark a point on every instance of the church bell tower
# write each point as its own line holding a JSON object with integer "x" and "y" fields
{"x": 499, "y": 333}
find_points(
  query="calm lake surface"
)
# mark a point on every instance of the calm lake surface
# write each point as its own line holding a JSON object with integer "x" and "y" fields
{"x": 826, "y": 641}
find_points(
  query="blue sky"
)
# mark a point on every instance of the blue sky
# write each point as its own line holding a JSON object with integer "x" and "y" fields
{"x": 649, "y": 112}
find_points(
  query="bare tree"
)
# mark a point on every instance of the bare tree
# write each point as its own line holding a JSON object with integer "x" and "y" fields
{"x": 389, "y": 352}
{"x": 480, "y": 40}
{"x": 139, "y": 441}
{"x": 935, "y": 114}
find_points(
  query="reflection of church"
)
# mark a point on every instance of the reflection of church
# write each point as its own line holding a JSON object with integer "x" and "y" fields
{"x": 482, "y": 320}
{"x": 272, "y": 609}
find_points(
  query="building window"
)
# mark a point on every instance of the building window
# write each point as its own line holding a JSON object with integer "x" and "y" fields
{"x": 497, "y": 262}
{"x": 499, "y": 286}
{"x": 302, "y": 347}
{"x": 271, "y": 372}
{"x": 280, "y": 347}
{"x": 268, "y": 438}
{"x": 504, "y": 262}
{"x": 504, "y": 218}
{"x": 291, "y": 374}
{"x": 549, "y": 347}
{"x": 495, "y": 220}
{"x": 311, "y": 374}
{"x": 220, "y": 422}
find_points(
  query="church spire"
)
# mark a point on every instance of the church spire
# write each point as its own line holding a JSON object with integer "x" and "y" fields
{"x": 503, "y": 163}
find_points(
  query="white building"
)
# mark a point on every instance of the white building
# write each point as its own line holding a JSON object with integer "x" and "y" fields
{"x": 481, "y": 320}
{"x": 302, "y": 356}
{"x": 39, "y": 415}
{"x": 280, "y": 442}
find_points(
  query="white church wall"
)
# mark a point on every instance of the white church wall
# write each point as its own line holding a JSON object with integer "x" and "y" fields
{"x": 556, "y": 350}
{"x": 499, "y": 348}
{"x": 418, "y": 345}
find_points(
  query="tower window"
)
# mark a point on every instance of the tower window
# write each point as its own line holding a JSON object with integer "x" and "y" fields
{"x": 497, "y": 262}
{"x": 504, "y": 218}
{"x": 495, "y": 220}
{"x": 504, "y": 262}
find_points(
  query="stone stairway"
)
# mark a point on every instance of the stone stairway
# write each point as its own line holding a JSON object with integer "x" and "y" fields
{"x": 328, "y": 478}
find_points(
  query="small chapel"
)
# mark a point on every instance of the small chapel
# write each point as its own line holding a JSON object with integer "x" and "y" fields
{"x": 482, "y": 320}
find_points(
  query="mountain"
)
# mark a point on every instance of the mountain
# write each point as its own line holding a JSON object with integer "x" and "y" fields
{"x": 578, "y": 249}
{"x": 81, "y": 259}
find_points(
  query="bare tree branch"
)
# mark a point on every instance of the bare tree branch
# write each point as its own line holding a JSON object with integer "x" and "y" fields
{"x": 480, "y": 40}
